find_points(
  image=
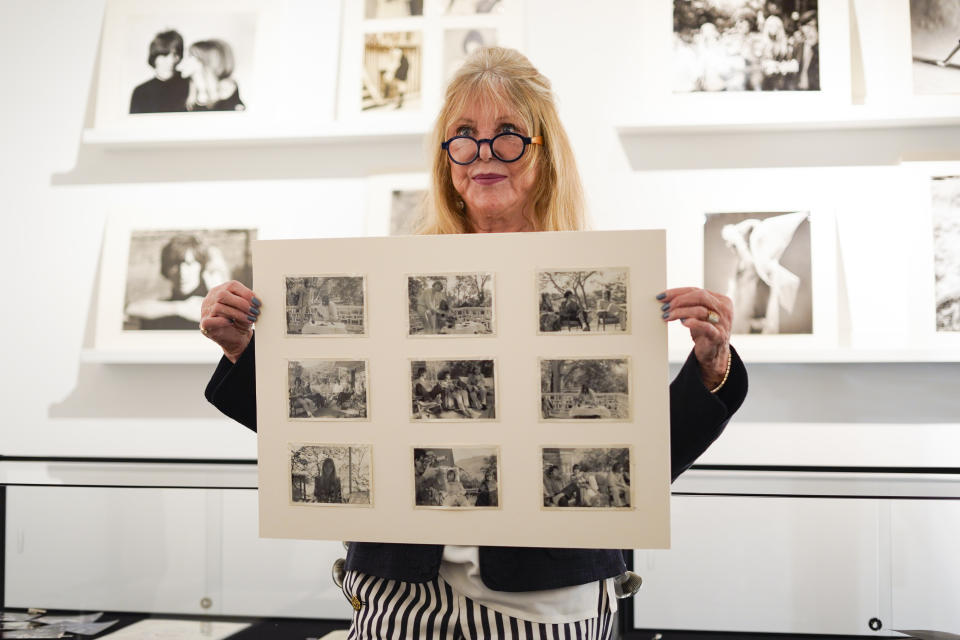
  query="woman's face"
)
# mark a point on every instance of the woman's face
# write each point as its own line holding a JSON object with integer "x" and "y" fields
{"x": 189, "y": 66}
{"x": 495, "y": 193}
{"x": 185, "y": 275}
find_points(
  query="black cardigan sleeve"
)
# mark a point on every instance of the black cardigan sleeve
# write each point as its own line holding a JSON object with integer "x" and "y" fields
{"x": 697, "y": 417}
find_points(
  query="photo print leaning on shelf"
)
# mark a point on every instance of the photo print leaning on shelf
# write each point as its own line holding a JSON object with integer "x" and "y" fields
{"x": 450, "y": 304}
{"x": 406, "y": 206}
{"x": 170, "y": 271}
{"x": 383, "y": 9}
{"x": 453, "y": 390}
{"x": 745, "y": 45}
{"x": 471, "y": 7}
{"x": 460, "y": 43}
{"x": 946, "y": 250}
{"x": 327, "y": 389}
{"x": 586, "y": 477}
{"x": 325, "y": 305}
{"x": 330, "y": 474}
{"x": 762, "y": 261}
{"x": 585, "y": 389}
{"x": 594, "y": 300}
{"x": 935, "y": 44}
{"x": 392, "y": 69}
{"x": 456, "y": 477}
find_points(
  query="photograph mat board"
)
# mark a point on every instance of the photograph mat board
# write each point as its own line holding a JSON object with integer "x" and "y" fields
{"x": 516, "y": 349}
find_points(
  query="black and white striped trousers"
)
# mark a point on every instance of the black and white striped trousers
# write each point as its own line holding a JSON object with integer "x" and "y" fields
{"x": 392, "y": 609}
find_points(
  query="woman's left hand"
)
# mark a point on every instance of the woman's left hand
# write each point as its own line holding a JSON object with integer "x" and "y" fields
{"x": 709, "y": 317}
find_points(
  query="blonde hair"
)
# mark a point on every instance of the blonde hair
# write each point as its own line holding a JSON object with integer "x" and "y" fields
{"x": 505, "y": 80}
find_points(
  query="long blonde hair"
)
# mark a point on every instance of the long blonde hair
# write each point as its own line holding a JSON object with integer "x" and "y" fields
{"x": 505, "y": 79}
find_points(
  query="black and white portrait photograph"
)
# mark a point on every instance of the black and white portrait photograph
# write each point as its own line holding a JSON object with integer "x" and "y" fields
{"x": 596, "y": 478}
{"x": 935, "y": 43}
{"x": 450, "y": 304}
{"x": 762, "y": 261}
{"x": 170, "y": 271}
{"x": 325, "y": 474}
{"x": 745, "y": 45}
{"x": 187, "y": 60}
{"x": 460, "y": 43}
{"x": 325, "y": 305}
{"x": 946, "y": 249}
{"x": 456, "y": 477}
{"x": 380, "y": 9}
{"x": 471, "y": 7}
{"x": 392, "y": 71}
{"x": 320, "y": 389}
{"x": 453, "y": 390}
{"x": 406, "y": 207}
{"x": 585, "y": 389}
{"x": 589, "y": 300}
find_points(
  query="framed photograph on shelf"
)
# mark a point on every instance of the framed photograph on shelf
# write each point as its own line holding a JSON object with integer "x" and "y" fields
{"x": 935, "y": 46}
{"x": 395, "y": 203}
{"x": 154, "y": 274}
{"x": 396, "y": 57}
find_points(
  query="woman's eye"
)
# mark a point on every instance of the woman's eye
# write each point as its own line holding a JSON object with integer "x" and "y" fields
{"x": 464, "y": 131}
{"x": 508, "y": 128}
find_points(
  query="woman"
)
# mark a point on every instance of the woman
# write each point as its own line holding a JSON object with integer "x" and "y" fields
{"x": 487, "y": 493}
{"x": 326, "y": 488}
{"x": 429, "y": 304}
{"x": 209, "y": 65}
{"x": 524, "y": 180}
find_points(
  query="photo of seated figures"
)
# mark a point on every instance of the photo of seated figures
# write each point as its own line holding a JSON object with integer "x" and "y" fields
{"x": 379, "y": 9}
{"x": 595, "y": 478}
{"x": 457, "y": 477}
{"x": 325, "y": 305}
{"x": 745, "y": 45}
{"x": 460, "y": 43}
{"x": 762, "y": 261}
{"x": 170, "y": 271}
{"x": 327, "y": 389}
{"x": 450, "y": 304}
{"x": 453, "y": 390}
{"x": 935, "y": 42}
{"x": 330, "y": 474}
{"x": 585, "y": 389}
{"x": 946, "y": 250}
{"x": 392, "y": 71}
{"x": 471, "y": 7}
{"x": 589, "y": 300}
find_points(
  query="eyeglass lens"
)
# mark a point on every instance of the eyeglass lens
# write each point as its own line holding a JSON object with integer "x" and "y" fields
{"x": 506, "y": 147}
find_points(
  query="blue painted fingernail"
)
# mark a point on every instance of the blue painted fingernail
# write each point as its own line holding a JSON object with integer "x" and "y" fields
{"x": 683, "y": 321}
{"x": 661, "y": 296}
{"x": 665, "y": 306}
{"x": 665, "y": 316}
{"x": 254, "y": 311}
{"x": 256, "y": 302}
{"x": 251, "y": 319}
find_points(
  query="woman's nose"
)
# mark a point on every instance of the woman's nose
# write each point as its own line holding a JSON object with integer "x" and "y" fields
{"x": 486, "y": 150}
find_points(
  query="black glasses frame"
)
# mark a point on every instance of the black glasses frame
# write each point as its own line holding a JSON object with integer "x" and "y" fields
{"x": 527, "y": 140}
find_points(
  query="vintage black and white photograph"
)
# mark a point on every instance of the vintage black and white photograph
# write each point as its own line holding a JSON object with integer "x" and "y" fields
{"x": 587, "y": 477}
{"x": 460, "y": 43}
{"x": 406, "y": 207}
{"x": 935, "y": 42}
{"x": 325, "y": 474}
{"x": 325, "y": 305}
{"x": 380, "y": 9}
{"x": 471, "y": 7}
{"x": 169, "y": 271}
{"x": 762, "y": 261}
{"x": 589, "y": 300}
{"x": 946, "y": 249}
{"x": 453, "y": 390}
{"x": 746, "y": 45}
{"x": 450, "y": 304}
{"x": 585, "y": 389}
{"x": 456, "y": 477}
{"x": 187, "y": 61}
{"x": 392, "y": 71}
{"x": 319, "y": 389}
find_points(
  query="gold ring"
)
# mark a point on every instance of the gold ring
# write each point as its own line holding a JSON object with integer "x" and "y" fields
{"x": 204, "y": 331}
{"x": 713, "y": 317}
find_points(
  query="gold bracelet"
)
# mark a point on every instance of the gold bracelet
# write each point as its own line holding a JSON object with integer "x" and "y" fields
{"x": 726, "y": 374}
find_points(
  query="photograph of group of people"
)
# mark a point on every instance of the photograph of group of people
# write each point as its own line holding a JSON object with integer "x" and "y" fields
{"x": 746, "y": 45}
{"x": 597, "y": 477}
{"x": 591, "y": 300}
{"x": 320, "y": 389}
{"x": 453, "y": 390}
{"x": 169, "y": 271}
{"x": 325, "y": 305}
{"x": 450, "y": 304}
{"x": 763, "y": 262}
{"x": 585, "y": 389}
{"x": 946, "y": 249}
{"x": 457, "y": 477}
{"x": 326, "y": 474}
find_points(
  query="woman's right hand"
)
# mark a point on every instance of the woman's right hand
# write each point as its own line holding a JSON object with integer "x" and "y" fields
{"x": 227, "y": 315}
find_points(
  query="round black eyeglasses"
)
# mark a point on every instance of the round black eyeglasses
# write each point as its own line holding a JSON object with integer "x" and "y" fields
{"x": 505, "y": 147}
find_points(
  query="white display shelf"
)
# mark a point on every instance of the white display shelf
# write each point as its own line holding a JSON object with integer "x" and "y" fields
{"x": 143, "y": 356}
{"x": 834, "y": 355}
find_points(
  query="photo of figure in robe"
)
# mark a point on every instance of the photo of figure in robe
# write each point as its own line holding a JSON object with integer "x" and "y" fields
{"x": 935, "y": 44}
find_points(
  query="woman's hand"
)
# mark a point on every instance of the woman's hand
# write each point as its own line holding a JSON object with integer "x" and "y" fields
{"x": 227, "y": 314}
{"x": 709, "y": 317}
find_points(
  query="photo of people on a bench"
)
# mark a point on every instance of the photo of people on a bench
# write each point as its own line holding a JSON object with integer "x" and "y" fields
{"x": 586, "y": 477}
{"x": 453, "y": 390}
{"x": 450, "y": 304}
{"x": 589, "y": 300}
{"x": 327, "y": 389}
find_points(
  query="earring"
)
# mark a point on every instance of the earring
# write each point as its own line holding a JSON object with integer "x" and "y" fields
{"x": 461, "y": 205}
